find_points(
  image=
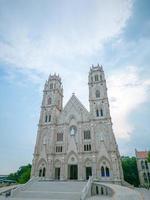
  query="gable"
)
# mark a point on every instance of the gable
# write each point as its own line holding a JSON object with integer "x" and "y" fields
{"x": 74, "y": 110}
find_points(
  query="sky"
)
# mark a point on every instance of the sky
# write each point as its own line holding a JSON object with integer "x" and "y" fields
{"x": 42, "y": 37}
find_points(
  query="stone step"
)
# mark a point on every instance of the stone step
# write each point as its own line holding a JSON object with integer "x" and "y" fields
{"x": 49, "y": 195}
{"x": 68, "y": 190}
{"x": 56, "y": 186}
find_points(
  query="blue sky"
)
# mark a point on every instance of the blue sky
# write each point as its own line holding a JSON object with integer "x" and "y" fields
{"x": 42, "y": 37}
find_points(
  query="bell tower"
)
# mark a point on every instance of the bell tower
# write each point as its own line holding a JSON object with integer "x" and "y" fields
{"x": 52, "y": 102}
{"x": 98, "y": 100}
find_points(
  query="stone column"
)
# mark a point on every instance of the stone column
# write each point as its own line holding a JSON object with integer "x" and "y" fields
{"x": 50, "y": 168}
{"x": 94, "y": 166}
{"x": 33, "y": 169}
{"x": 80, "y": 169}
{"x": 62, "y": 169}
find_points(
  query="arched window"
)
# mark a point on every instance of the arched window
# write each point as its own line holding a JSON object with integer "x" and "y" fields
{"x": 107, "y": 171}
{"x": 96, "y": 77}
{"x": 97, "y": 113}
{"x": 146, "y": 164}
{"x": 101, "y": 111}
{"x": 102, "y": 171}
{"x": 142, "y": 164}
{"x": 51, "y": 86}
{"x": 59, "y": 136}
{"x": 101, "y": 77}
{"x": 46, "y": 118}
{"x": 144, "y": 176}
{"x": 49, "y": 100}
{"x": 44, "y": 170}
{"x": 40, "y": 172}
{"x": 49, "y": 118}
{"x": 97, "y": 93}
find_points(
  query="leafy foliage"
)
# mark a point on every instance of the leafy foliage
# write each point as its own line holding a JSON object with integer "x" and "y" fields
{"x": 148, "y": 159}
{"x": 130, "y": 171}
{"x": 22, "y": 175}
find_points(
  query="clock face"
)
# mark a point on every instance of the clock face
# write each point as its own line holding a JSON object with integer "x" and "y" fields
{"x": 73, "y": 130}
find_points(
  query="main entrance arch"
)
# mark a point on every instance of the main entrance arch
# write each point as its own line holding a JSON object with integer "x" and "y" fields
{"x": 72, "y": 167}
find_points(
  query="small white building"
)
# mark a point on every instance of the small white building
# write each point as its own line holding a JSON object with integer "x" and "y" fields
{"x": 143, "y": 167}
{"x": 72, "y": 142}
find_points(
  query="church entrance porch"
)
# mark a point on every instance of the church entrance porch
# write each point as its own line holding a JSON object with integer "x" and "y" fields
{"x": 57, "y": 173}
{"x": 88, "y": 172}
{"x": 73, "y": 172}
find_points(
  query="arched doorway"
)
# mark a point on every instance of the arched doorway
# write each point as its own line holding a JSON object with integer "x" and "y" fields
{"x": 42, "y": 172}
{"x": 42, "y": 168}
{"x": 88, "y": 169}
{"x": 72, "y": 167}
{"x": 57, "y": 169}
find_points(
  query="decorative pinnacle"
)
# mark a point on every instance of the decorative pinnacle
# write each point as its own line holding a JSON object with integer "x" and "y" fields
{"x": 97, "y": 67}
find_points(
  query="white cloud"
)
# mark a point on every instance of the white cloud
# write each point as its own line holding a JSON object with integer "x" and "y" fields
{"x": 127, "y": 91}
{"x": 53, "y": 34}
{"x": 60, "y": 37}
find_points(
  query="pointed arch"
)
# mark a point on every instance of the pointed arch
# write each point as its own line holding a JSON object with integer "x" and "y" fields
{"x": 101, "y": 112}
{"x": 40, "y": 172}
{"x": 88, "y": 162}
{"x": 107, "y": 171}
{"x": 41, "y": 168}
{"x": 102, "y": 171}
{"x": 71, "y": 155}
{"x": 46, "y": 118}
{"x": 57, "y": 163}
{"x": 97, "y": 113}
{"x": 106, "y": 160}
{"x": 49, "y": 118}
{"x": 44, "y": 172}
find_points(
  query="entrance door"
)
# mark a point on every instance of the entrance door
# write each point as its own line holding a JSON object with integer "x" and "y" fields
{"x": 57, "y": 173}
{"x": 73, "y": 172}
{"x": 88, "y": 172}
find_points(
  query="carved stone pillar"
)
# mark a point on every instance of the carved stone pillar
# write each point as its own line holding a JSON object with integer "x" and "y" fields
{"x": 50, "y": 168}
{"x": 62, "y": 169}
{"x": 80, "y": 169}
{"x": 94, "y": 166}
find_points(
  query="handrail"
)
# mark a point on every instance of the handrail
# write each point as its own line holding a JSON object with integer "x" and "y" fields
{"x": 7, "y": 190}
{"x": 86, "y": 189}
{"x": 22, "y": 187}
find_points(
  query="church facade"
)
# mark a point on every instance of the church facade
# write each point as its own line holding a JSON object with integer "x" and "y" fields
{"x": 72, "y": 142}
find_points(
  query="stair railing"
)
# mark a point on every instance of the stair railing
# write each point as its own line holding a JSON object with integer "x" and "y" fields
{"x": 86, "y": 192}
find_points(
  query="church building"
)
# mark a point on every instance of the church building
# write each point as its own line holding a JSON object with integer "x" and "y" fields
{"x": 72, "y": 142}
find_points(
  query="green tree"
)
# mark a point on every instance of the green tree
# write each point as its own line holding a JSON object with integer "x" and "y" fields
{"x": 130, "y": 171}
{"x": 148, "y": 159}
{"x": 22, "y": 175}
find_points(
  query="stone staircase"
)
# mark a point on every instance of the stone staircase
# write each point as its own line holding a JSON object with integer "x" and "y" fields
{"x": 56, "y": 190}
